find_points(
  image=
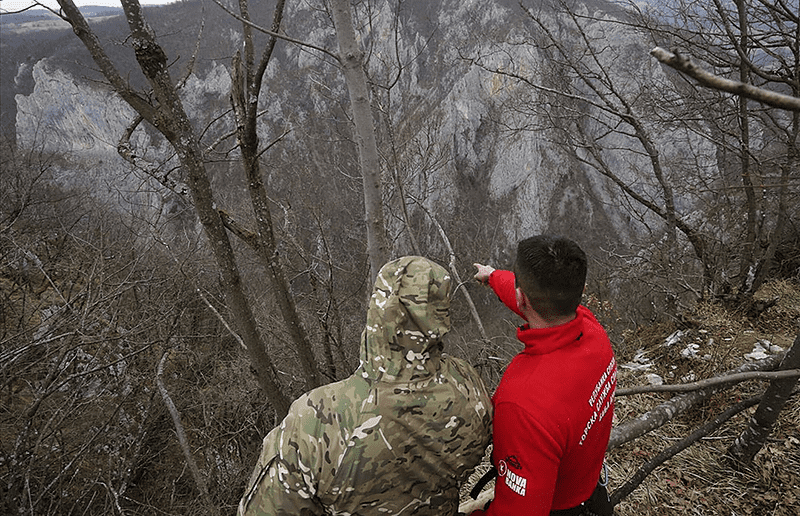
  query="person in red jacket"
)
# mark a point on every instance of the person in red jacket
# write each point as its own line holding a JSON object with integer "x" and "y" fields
{"x": 554, "y": 405}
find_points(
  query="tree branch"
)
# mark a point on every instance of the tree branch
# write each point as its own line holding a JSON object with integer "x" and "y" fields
{"x": 709, "y": 80}
{"x": 666, "y": 454}
{"x": 92, "y": 43}
{"x": 668, "y": 410}
{"x": 717, "y": 381}
{"x": 247, "y": 236}
{"x": 456, "y": 276}
{"x": 276, "y": 34}
{"x": 128, "y": 153}
{"x": 176, "y": 419}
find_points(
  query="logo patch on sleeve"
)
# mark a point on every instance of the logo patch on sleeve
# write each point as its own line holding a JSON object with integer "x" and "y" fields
{"x": 514, "y": 481}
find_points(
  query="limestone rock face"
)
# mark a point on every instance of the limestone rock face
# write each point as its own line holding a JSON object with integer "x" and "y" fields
{"x": 67, "y": 115}
{"x": 426, "y": 88}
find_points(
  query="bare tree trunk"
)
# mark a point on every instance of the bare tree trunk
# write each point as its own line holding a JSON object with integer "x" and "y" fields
{"x": 752, "y": 439}
{"x": 246, "y": 87}
{"x": 351, "y": 58}
{"x": 748, "y": 253}
{"x": 787, "y": 167}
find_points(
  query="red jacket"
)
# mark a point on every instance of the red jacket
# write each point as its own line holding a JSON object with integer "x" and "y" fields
{"x": 552, "y": 413}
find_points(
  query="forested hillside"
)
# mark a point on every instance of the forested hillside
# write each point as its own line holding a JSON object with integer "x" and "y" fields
{"x": 185, "y": 234}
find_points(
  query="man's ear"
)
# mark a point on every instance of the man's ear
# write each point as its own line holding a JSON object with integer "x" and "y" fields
{"x": 522, "y": 299}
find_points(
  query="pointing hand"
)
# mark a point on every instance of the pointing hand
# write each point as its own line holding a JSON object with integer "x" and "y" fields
{"x": 484, "y": 271}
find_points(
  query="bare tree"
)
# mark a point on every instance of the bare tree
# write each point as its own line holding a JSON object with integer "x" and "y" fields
{"x": 612, "y": 113}
{"x": 593, "y": 103}
{"x": 685, "y": 65}
{"x": 247, "y": 80}
{"x": 168, "y": 116}
{"x": 74, "y": 351}
{"x": 752, "y": 50}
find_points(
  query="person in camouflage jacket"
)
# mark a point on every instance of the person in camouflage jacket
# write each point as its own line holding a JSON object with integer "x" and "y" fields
{"x": 400, "y": 434}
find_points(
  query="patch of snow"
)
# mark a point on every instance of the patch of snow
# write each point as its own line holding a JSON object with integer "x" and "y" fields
{"x": 690, "y": 351}
{"x": 654, "y": 379}
{"x": 762, "y": 349}
{"x": 640, "y": 362}
{"x": 673, "y": 339}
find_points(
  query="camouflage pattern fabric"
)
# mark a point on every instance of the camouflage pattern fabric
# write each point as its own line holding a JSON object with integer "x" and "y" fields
{"x": 400, "y": 435}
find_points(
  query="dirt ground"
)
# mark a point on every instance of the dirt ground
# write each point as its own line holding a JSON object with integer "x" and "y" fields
{"x": 698, "y": 481}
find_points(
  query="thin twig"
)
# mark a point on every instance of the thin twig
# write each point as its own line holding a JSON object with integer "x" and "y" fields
{"x": 176, "y": 420}
{"x": 454, "y": 272}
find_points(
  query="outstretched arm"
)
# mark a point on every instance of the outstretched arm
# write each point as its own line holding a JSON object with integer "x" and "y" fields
{"x": 502, "y": 282}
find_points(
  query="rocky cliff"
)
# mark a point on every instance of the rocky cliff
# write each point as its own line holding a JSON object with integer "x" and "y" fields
{"x": 448, "y": 121}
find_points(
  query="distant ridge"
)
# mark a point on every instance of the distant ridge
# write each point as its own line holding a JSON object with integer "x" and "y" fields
{"x": 32, "y": 15}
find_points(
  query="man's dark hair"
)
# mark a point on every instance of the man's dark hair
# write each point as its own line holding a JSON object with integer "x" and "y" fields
{"x": 551, "y": 271}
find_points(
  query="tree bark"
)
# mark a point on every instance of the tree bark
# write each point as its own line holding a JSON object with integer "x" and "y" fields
{"x": 351, "y": 58}
{"x": 745, "y": 447}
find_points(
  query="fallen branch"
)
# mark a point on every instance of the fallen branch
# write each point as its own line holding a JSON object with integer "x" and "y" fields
{"x": 709, "y": 80}
{"x": 668, "y": 410}
{"x": 720, "y": 381}
{"x": 666, "y": 454}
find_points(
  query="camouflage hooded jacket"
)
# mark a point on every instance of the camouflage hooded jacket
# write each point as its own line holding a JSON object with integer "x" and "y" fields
{"x": 398, "y": 436}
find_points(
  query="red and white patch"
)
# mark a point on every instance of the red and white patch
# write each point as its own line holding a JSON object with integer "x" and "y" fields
{"x": 502, "y": 468}
{"x": 514, "y": 481}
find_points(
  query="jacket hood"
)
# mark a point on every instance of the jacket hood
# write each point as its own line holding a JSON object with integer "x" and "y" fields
{"x": 409, "y": 313}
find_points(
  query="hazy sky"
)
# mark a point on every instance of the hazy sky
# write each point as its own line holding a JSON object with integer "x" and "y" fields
{"x": 15, "y": 5}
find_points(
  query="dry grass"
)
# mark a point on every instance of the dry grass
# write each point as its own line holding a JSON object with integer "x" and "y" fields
{"x": 698, "y": 481}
